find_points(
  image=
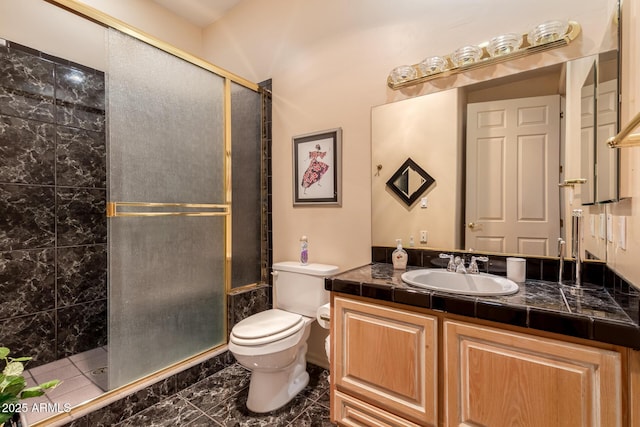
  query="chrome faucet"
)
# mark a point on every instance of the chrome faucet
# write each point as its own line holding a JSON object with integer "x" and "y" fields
{"x": 451, "y": 266}
{"x": 460, "y": 268}
{"x": 456, "y": 264}
{"x": 473, "y": 265}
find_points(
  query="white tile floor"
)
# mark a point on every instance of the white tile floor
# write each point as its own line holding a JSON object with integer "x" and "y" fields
{"x": 83, "y": 376}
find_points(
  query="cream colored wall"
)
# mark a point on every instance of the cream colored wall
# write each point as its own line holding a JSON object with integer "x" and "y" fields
{"x": 625, "y": 261}
{"x": 398, "y": 130}
{"x": 155, "y": 20}
{"x": 48, "y": 28}
{"x": 329, "y": 61}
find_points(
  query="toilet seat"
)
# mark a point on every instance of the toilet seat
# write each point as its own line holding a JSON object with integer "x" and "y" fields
{"x": 266, "y": 327}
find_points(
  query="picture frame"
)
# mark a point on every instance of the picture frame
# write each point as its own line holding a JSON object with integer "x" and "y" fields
{"x": 317, "y": 168}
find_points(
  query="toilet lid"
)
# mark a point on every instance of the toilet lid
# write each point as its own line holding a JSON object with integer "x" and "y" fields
{"x": 268, "y": 323}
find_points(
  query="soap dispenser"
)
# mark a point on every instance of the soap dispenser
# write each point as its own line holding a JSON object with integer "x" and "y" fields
{"x": 399, "y": 257}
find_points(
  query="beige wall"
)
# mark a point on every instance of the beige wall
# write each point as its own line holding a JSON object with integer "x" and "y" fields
{"x": 48, "y": 28}
{"x": 625, "y": 262}
{"x": 329, "y": 60}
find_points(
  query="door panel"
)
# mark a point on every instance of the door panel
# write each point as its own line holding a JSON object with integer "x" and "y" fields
{"x": 512, "y": 199}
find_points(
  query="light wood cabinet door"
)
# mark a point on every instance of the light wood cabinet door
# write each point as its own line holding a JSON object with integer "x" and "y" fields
{"x": 499, "y": 378}
{"x": 387, "y": 357}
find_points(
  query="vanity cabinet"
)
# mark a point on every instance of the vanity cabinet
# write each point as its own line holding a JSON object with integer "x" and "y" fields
{"x": 494, "y": 377}
{"x": 393, "y": 366}
{"x": 384, "y": 365}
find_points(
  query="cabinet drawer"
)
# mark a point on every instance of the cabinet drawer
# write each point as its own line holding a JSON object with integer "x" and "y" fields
{"x": 352, "y": 412}
{"x": 387, "y": 356}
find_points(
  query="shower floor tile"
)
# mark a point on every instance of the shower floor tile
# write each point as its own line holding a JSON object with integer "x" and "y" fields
{"x": 78, "y": 383}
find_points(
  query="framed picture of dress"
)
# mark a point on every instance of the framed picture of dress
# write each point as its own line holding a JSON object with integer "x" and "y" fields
{"x": 317, "y": 168}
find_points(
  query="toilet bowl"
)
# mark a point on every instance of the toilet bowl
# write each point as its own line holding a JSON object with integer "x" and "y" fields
{"x": 273, "y": 343}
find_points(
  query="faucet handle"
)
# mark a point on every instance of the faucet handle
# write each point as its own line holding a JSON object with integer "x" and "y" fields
{"x": 451, "y": 266}
{"x": 473, "y": 266}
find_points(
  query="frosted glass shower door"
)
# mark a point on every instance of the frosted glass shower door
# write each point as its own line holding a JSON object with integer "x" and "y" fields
{"x": 166, "y": 189}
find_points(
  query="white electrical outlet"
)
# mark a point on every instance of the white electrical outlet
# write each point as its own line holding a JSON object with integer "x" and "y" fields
{"x": 610, "y": 228}
{"x": 592, "y": 225}
{"x": 423, "y": 236}
{"x": 603, "y": 227}
{"x": 622, "y": 232}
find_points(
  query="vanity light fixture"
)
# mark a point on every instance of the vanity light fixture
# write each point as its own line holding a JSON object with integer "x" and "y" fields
{"x": 625, "y": 138}
{"x": 548, "y": 35}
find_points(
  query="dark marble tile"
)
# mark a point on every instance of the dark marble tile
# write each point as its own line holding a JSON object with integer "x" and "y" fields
{"x": 343, "y": 286}
{"x": 453, "y": 304}
{"x": 551, "y": 271}
{"x": 26, "y": 86}
{"x": 617, "y": 333}
{"x": 325, "y": 399}
{"x": 27, "y": 280}
{"x": 379, "y": 254}
{"x": 80, "y": 98}
{"x": 412, "y": 297}
{"x": 214, "y": 390}
{"x": 534, "y": 268}
{"x": 132, "y": 404}
{"x": 233, "y": 412}
{"x": 80, "y": 158}
{"x": 315, "y": 415}
{"x": 565, "y": 324}
{"x": 32, "y": 336}
{"x": 26, "y": 151}
{"x": 414, "y": 257}
{"x": 81, "y": 327}
{"x": 169, "y": 412}
{"x": 376, "y": 291}
{"x": 500, "y": 313}
{"x": 593, "y": 301}
{"x": 594, "y": 272}
{"x": 190, "y": 376}
{"x": 27, "y": 219}
{"x": 81, "y": 217}
{"x": 80, "y": 86}
{"x": 82, "y": 274}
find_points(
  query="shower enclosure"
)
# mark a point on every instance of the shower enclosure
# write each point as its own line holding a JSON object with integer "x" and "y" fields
{"x": 184, "y": 143}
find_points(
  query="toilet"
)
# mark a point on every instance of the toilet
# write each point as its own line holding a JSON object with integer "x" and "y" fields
{"x": 273, "y": 343}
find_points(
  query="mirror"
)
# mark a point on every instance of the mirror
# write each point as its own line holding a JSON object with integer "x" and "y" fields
{"x": 587, "y": 136}
{"x": 434, "y": 130}
{"x": 607, "y": 119}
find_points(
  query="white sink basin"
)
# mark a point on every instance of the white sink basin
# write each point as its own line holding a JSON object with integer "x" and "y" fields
{"x": 458, "y": 283}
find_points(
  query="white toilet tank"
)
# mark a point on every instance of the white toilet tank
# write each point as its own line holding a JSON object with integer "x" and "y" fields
{"x": 300, "y": 288}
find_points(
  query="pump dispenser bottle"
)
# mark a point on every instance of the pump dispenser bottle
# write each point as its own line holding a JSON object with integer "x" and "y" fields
{"x": 304, "y": 250}
{"x": 399, "y": 257}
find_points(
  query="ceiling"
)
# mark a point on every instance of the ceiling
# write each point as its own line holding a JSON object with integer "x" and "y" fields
{"x": 198, "y": 12}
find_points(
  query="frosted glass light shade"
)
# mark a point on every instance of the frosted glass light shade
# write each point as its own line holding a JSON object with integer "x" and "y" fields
{"x": 466, "y": 55}
{"x": 547, "y": 32}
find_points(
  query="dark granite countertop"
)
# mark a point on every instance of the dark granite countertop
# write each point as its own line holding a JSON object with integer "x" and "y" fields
{"x": 590, "y": 312}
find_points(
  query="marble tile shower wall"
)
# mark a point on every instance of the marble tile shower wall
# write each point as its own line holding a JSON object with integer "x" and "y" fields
{"x": 53, "y": 229}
